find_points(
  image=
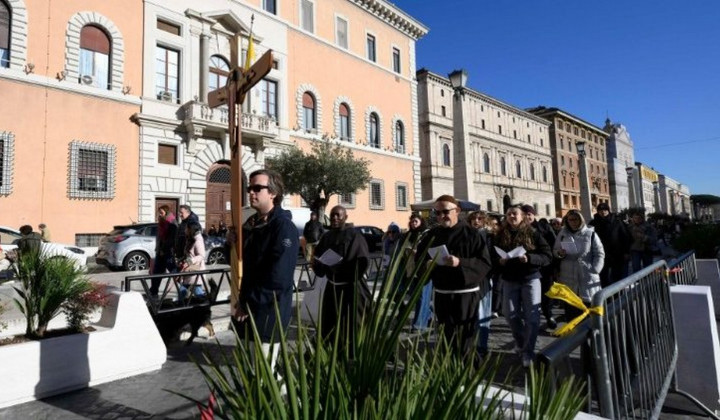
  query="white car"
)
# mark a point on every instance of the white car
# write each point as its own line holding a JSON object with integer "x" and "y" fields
{"x": 10, "y": 236}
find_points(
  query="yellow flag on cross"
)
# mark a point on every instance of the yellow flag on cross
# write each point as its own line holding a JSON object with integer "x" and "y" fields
{"x": 564, "y": 293}
{"x": 250, "y": 53}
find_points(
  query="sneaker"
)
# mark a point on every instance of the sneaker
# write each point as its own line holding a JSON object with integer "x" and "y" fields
{"x": 551, "y": 323}
{"x": 527, "y": 362}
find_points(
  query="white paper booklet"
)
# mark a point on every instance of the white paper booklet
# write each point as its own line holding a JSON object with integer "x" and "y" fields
{"x": 329, "y": 258}
{"x": 569, "y": 247}
{"x": 517, "y": 252}
{"x": 441, "y": 252}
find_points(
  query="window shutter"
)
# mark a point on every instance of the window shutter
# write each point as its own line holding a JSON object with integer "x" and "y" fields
{"x": 94, "y": 39}
{"x": 308, "y": 100}
{"x": 4, "y": 26}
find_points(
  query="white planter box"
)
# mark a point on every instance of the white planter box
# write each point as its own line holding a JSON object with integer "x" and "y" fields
{"x": 125, "y": 343}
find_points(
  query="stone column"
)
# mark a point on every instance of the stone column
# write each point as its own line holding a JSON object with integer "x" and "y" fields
{"x": 204, "y": 66}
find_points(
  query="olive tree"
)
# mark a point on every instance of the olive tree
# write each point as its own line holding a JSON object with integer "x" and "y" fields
{"x": 328, "y": 169}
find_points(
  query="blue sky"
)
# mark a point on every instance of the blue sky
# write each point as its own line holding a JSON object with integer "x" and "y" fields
{"x": 653, "y": 66}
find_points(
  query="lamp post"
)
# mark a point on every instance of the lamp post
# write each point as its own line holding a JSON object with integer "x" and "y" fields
{"x": 585, "y": 203}
{"x": 462, "y": 166}
{"x": 632, "y": 199}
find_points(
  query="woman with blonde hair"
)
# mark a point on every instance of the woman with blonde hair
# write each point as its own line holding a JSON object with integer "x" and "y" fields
{"x": 521, "y": 278}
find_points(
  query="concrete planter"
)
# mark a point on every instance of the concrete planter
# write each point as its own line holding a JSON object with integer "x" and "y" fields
{"x": 125, "y": 343}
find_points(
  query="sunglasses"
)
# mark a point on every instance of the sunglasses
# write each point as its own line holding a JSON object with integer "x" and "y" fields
{"x": 444, "y": 212}
{"x": 257, "y": 188}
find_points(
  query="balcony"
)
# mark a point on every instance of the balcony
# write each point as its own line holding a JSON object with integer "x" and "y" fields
{"x": 199, "y": 119}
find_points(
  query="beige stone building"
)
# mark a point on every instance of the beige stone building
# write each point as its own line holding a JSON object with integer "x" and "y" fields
{"x": 566, "y": 131}
{"x": 481, "y": 149}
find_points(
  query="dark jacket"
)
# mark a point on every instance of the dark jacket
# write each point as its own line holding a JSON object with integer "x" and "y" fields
{"x": 270, "y": 252}
{"x": 180, "y": 236}
{"x": 549, "y": 235}
{"x": 350, "y": 245}
{"x": 614, "y": 235}
{"x": 31, "y": 242}
{"x": 312, "y": 231}
{"x": 516, "y": 271}
{"x": 466, "y": 243}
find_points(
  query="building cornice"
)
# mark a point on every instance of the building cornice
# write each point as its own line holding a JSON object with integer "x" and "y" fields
{"x": 394, "y": 17}
{"x": 434, "y": 77}
{"x": 553, "y": 112}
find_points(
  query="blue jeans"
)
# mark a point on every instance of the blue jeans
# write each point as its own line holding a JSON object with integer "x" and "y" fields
{"x": 522, "y": 310}
{"x": 484, "y": 316}
{"x": 641, "y": 259}
{"x": 422, "y": 308}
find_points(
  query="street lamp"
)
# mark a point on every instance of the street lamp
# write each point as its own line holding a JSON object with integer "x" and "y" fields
{"x": 631, "y": 186}
{"x": 458, "y": 79}
{"x": 463, "y": 171}
{"x": 585, "y": 203}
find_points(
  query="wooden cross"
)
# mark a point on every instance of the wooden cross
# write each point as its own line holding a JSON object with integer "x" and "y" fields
{"x": 239, "y": 82}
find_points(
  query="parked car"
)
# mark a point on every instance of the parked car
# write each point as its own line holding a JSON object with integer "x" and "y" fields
{"x": 373, "y": 236}
{"x": 131, "y": 247}
{"x": 9, "y": 238}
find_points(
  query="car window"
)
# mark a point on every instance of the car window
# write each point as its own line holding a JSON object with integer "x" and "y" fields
{"x": 377, "y": 231}
{"x": 7, "y": 238}
{"x": 151, "y": 231}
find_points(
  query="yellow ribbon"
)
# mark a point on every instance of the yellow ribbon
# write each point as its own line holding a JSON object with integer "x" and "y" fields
{"x": 564, "y": 293}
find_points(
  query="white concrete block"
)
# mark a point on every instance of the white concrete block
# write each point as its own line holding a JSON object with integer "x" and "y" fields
{"x": 709, "y": 275}
{"x": 125, "y": 343}
{"x": 698, "y": 365}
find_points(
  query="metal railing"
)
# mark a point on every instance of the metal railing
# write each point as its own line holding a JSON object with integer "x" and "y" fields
{"x": 683, "y": 269}
{"x": 627, "y": 358}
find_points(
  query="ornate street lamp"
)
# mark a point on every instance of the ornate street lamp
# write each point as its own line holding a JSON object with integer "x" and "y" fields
{"x": 458, "y": 79}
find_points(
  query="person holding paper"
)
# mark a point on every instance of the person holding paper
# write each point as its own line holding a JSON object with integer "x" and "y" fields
{"x": 346, "y": 288}
{"x": 582, "y": 257}
{"x": 520, "y": 251}
{"x": 459, "y": 278}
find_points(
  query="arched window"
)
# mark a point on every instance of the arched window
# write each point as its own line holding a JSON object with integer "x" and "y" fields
{"x": 518, "y": 169}
{"x": 219, "y": 71}
{"x": 309, "y": 112}
{"x": 486, "y": 163}
{"x": 503, "y": 167}
{"x": 94, "y": 67}
{"x": 545, "y": 176}
{"x": 532, "y": 172}
{"x": 399, "y": 137}
{"x": 374, "y": 130}
{"x": 4, "y": 34}
{"x": 344, "y": 111}
{"x": 446, "y": 155}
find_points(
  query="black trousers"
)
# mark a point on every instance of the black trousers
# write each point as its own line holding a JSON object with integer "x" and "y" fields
{"x": 457, "y": 315}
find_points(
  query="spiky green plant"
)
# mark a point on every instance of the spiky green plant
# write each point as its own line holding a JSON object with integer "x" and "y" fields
{"x": 386, "y": 377}
{"x": 46, "y": 284}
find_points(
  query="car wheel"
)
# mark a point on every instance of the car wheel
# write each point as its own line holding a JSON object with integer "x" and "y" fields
{"x": 136, "y": 261}
{"x": 217, "y": 256}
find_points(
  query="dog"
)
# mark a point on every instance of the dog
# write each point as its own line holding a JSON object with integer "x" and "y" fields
{"x": 193, "y": 314}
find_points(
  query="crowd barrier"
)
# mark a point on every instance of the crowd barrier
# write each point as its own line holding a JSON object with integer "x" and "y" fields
{"x": 627, "y": 357}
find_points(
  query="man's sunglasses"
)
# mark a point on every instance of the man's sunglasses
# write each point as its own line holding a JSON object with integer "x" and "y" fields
{"x": 257, "y": 188}
{"x": 444, "y": 211}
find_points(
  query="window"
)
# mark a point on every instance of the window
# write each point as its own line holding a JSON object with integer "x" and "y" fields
{"x": 446, "y": 155}
{"x": 396, "y": 60}
{"x": 268, "y": 99}
{"x": 572, "y": 182}
{"x": 547, "y": 209}
{"x": 309, "y": 121}
{"x": 219, "y": 71}
{"x": 443, "y": 111}
{"x": 518, "y": 169}
{"x": 371, "y": 52}
{"x": 7, "y": 148}
{"x": 575, "y": 131}
{"x": 545, "y": 175}
{"x": 270, "y": 6}
{"x": 399, "y": 137}
{"x": 489, "y": 205}
{"x": 532, "y": 172}
{"x": 515, "y": 134}
{"x": 168, "y": 27}
{"x": 562, "y": 143}
{"x": 92, "y": 170}
{"x": 376, "y": 195}
{"x": 4, "y": 35}
{"x": 500, "y": 129}
{"x": 88, "y": 239}
{"x": 567, "y": 127}
{"x": 401, "y": 201}
{"x": 374, "y": 131}
{"x": 167, "y": 154}
{"x": 570, "y": 145}
{"x": 167, "y": 73}
{"x": 486, "y": 163}
{"x": 562, "y": 160}
{"x": 482, "y": 124}
{"x": 94, "y": 67}
{"x": 341, "y": 32}
{"x": 307, "y": 18}
{"x": 571, "y": 162}
{"x": 344, "y": 111}
{"x": 529, "y": 139}
{"x": 503, "y": 166}
{"x": 347, "y": 200}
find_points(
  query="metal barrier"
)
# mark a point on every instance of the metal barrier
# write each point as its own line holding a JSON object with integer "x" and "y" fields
{"x": 169, "y": 296}
{"x": 683, "y": 269}
{"x": 628, "y": 356}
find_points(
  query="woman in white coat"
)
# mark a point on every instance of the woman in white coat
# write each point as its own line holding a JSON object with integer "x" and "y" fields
{"x": 581, "y": 257}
